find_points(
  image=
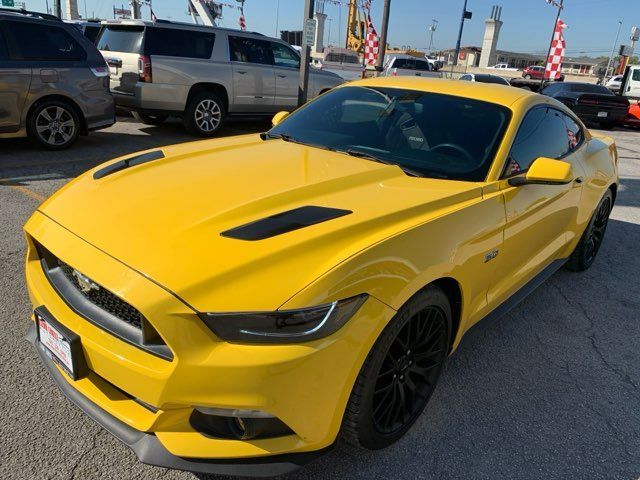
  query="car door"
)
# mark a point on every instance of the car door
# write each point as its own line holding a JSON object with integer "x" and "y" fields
{"x": 15, "y": 80}
{"x": 286, "y": 65}
{"x": 538, "y": 217}
{"x": 254, "y": 84}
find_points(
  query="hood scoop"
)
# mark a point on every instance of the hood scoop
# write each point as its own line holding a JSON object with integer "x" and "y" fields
{"x": 128, "y": 162}
{"x": 284, "y": 222}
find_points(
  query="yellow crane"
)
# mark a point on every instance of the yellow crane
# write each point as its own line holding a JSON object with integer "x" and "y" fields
{"x": 356, "y": 27}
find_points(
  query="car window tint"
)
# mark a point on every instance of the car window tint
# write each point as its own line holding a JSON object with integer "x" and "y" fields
{"x": 400, "y": 63}
{"x": 544, "y": 132}
{"x": 91, "y": 32}
{"x": 283, "y": 56}
{"x": 4, "y": 53}
{"x": 45, "y": 42}
{"x": 250, "y": 50}
{"x": 118, "y": 39}
{"x": 422, "y": 65}
{"x": 173, "y": 42}
{"x": 588, "y": 88}
{"x": 636, "y": 75}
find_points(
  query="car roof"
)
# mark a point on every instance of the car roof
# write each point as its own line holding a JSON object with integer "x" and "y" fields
{"x": 172, "y": 24}
{"x": 488, "y": 92}
{"x": 27, "y": 14}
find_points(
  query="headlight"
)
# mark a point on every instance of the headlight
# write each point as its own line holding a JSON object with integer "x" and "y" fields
{"x": 283, "y": 326}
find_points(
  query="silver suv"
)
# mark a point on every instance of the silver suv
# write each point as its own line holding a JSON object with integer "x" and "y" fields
{"x": 54, "y": 84}
{"x": 202, "y": 74}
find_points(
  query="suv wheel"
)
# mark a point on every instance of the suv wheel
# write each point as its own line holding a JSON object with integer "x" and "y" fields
{"x": 400, "y": 372}
{"x": 54, "y": 124}
{"x": 149, "y": 119}
{"x": 204, "y": 114}
{"x": 527, "y": 77}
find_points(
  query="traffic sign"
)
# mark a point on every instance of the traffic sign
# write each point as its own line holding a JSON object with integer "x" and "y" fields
{"x": 8, "y": 3}
{"x": 309, "y": 32}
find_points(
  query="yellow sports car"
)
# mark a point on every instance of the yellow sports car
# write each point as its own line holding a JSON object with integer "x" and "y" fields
{"x": 235, "y": 305}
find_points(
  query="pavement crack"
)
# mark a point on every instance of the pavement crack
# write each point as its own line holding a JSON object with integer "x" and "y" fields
{"x": 81, "y": 457}
{"x": 590, "y": 333}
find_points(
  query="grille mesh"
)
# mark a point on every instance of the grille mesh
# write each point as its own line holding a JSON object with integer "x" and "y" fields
{"x": 106, "y": 300}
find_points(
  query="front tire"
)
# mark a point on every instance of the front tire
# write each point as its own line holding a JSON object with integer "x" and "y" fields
{"x": 54, "y": 125}
{"x": 205, "y": 114}
{"x": 400, "y": 372}
{"x": 591, "y": 240}
{"x": 527, "y": 77}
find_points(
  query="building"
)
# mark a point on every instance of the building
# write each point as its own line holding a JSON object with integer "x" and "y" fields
{"x": 519, "y": 60}
{"x": 292, "y": 37}
{"x": 581, "y": 65}
{"x": 493, "y": 24}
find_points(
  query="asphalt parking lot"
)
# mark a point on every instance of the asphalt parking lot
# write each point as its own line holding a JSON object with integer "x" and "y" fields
{"x": 551, "y": 390}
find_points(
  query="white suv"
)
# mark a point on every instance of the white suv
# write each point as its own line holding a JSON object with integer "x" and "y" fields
{"x": 202, "y": 74}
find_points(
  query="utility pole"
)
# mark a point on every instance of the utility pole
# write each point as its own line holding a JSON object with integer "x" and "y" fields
{"x": 383, "y": 35}
{"x": 58, "y": 8}
{"x": 613, "y": 49}
{"x": 135, "y": 9}
{"x": 465, "y": 16}
{"x": 305, "y": 55}
{"x": 553, "y": 34}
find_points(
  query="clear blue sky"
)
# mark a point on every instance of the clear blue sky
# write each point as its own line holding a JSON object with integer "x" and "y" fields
{"x": 527, "y": 23}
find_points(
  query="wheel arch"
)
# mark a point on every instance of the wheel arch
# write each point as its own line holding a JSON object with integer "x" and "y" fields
{"x": 614, "y": 191}
{"x": 453, "y": 290}
{"x": 216, "y": 88}
{"x": 61, "y": 98}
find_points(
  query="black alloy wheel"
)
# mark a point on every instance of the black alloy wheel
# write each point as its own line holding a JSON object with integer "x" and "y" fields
{"x": 589, "y": 245}
{"x": 410, "y": 370}
{"x": 400, "y": 372}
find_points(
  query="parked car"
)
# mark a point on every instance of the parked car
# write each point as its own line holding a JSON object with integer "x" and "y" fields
{"x": 484, "y": 78}
{"x": 591, "y": 103}
{"x": 54, "y": 84}
{"x": 89, "y": 28}
{"x": 238, "y": 305}
{"x": 434, "y": 62}
{"x": 202, "y": 74}
{"x": 615, "y": 83}
{"x": 341, "y": 61}
{"x": 536, "y": 72}
{"x": 503, "y": 66}
{"x": 406, "y": 65}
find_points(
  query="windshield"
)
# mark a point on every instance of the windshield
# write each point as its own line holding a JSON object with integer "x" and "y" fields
{"x": 588, "y": 88}
{"x": 115, "y": 38}
{"x": 427, "y": 134}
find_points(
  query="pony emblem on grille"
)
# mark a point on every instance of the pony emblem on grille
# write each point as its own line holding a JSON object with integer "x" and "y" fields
{"x": 85, "y": 283}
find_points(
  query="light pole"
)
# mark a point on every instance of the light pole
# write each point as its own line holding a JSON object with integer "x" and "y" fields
{"x": 383, "y": 35}
{"x": 277, "y": 18}
{"x": 613, "y": 49}
{"x": 305, "y": 55}
{"x": 465, "y": 16}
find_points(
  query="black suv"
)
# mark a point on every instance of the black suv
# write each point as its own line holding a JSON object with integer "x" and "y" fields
{"x": 54, "y": 84}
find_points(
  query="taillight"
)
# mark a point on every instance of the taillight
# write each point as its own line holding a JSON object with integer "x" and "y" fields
{"x": 100, "y": 71}
{"x": 144, "y": 68}
{"x": 589, "y": 101}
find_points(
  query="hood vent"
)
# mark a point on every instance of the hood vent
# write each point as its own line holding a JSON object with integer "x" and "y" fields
{"x": 284, "y": 222}
{"x": 128, "y": 162}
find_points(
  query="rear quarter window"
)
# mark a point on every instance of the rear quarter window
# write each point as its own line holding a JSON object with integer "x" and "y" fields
{"x": 45, "y": 42}
{"x": 179, "y": 43}
{"x": 121, "y": 39}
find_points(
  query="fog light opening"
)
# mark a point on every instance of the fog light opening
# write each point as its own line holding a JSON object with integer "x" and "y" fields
{"x": 232, "y": 424}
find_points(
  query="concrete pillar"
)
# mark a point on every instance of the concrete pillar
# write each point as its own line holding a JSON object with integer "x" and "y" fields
{"x": 71, "y": 9}
{"x": 318, "y": 39}
{"x": 488, "y": 56}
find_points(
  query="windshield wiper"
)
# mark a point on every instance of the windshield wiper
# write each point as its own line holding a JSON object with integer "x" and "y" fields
{"x": 369, "y": 156}
{"x": 281, "y": 136}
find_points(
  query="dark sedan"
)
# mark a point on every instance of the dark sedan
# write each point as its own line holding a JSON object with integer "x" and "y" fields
{"x": 591, "y": 103}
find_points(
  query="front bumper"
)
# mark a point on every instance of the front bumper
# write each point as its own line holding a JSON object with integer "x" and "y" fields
{"x": 150, "y": 451}
{"x": 306, "y": 386}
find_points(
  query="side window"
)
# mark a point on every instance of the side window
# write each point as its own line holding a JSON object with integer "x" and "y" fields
{"x": 467, "y": 78}
{"x": 636, "y": 75}
{"x": 422, "y": 65}
{"x": 45, "y": 42}
{"x": 172, "y": 42}
{"x": 4, "y": 52}
{"x": 544, "y": 132}
{"x": 400, "y": 63}
{"x": 283, "y": 56}
{"x": 249, "y": 50}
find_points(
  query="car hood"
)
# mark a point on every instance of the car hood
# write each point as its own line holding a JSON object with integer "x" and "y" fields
{"x": 165, "y": 217}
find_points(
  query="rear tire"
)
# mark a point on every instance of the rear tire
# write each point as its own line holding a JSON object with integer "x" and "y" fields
{"x": 54, "y": 125}
{"x": 585, "y": 252}
{"x": 527, "y": 77}
{"x": 205, "y": 114}
{"x": 149, "y": 119}
{"x": 400, "y": 372}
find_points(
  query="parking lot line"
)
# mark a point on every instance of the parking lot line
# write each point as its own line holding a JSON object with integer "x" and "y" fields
{"x": 26, "y": 191}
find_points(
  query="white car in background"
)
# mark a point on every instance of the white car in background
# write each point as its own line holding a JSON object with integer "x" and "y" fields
{"x": 614, "y": 83}
{"x": 503, "y": 66}
{"x": 407, "y": 65}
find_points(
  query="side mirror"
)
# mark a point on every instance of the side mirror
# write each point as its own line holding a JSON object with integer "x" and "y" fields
{"x": 279, "y": 117}
{"x": 545, "y": 171}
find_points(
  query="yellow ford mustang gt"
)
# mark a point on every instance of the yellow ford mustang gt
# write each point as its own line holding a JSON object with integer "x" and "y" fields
{"x": 236, "y": 305}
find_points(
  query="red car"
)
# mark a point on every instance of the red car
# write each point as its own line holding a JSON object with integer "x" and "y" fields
{"x": 536, "y": 72}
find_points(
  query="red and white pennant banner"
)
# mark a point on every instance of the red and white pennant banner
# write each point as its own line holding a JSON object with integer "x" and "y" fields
{"x": 556, "y": 53}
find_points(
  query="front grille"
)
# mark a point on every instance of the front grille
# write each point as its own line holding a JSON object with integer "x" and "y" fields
{"x": 104, "y": 299}
{"x": 101, "y": 307}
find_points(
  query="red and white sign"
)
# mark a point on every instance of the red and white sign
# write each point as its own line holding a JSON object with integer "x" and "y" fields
{"x": 56, "y": 344}
{"x": 556, "y": 53}
{"x": 372, "y": 43}
{"x": 242, "y": 23}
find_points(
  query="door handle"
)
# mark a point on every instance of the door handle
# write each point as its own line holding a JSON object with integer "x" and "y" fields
{"x": 578, "y": 180}
{"x": 282, "y": 76}
{"x": 241, "y": 72}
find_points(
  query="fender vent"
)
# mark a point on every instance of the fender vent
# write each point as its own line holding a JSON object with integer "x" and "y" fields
{"x": 284, "y": 222}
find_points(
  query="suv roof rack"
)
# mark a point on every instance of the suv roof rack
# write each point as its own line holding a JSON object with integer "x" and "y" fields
{"x": 163, "y": 21}
{"x": 29, "y": 13}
